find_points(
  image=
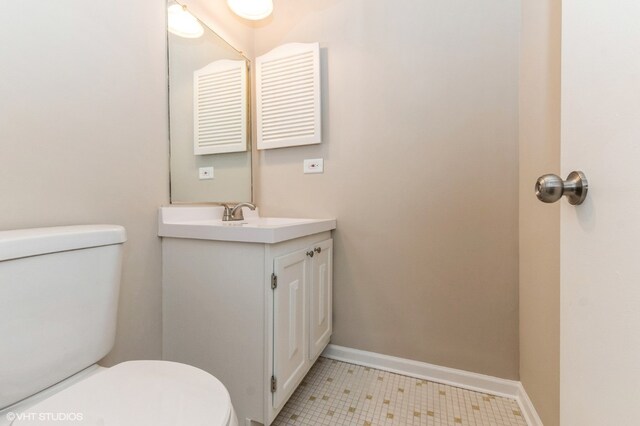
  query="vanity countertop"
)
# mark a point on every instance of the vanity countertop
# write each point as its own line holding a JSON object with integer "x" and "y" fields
{"x": 205, "y": 223}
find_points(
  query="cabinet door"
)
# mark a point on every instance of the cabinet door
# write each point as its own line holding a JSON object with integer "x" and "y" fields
{"x": 320, "y": 300}
{"x": 290, "y": 334}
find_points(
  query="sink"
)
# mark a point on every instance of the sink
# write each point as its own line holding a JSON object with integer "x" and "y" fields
{"x": 267, "y": 222}
{"x": 205, "y": 223}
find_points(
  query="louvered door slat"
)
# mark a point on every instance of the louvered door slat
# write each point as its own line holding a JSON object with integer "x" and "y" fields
{"x": 220, "y": 108}
{"x": 288, "y": 96}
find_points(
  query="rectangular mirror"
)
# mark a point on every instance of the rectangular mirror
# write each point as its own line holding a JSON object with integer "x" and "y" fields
{"x": 209, "y": 120}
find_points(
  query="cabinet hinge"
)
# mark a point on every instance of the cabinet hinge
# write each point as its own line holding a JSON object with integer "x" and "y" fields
{"x": 274, "y": 384}
{"x": 274, "y": 281}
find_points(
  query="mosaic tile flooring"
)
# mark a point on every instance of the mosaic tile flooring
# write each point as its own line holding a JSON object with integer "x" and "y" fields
{"x": 336, "y": 393}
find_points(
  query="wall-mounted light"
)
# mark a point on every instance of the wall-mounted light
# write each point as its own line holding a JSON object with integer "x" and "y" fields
{"x": 182, "y": 23}
{"x": 251, "y": 9}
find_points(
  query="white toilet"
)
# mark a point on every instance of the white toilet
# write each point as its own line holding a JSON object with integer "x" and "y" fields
{"x": 59, "y": 301}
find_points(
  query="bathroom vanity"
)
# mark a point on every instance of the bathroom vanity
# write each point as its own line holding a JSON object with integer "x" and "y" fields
{"x": 248, "y": 301}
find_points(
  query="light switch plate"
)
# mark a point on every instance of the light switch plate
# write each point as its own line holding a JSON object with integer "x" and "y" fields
{"x": 205, "y": 173}
{"x": 315, "y": 165}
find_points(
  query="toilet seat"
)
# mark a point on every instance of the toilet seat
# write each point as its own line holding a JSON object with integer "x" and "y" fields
{"x": 137, "y": 393}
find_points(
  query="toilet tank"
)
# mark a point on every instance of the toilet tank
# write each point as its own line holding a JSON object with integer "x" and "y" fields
{"x": 58, "y": 304}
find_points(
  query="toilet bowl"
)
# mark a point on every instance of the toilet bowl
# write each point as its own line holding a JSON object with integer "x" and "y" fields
{"x": 133, "y": 393}
{"x": 59, "y": 293}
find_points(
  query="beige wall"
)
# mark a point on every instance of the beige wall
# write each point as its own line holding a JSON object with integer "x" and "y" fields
{"x": 420, "y": 147}
{"x": 83, "y": 136}
{"x": 540, "y": 223}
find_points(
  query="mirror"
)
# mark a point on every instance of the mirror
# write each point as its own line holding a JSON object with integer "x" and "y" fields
{"x": 208, "y": 113}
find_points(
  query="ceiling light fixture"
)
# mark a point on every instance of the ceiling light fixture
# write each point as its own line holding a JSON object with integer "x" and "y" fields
{"x": 182, "y": 23}
{"x": 251, "y": 9}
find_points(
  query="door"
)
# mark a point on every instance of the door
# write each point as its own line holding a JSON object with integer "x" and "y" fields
{"x": 320, "y": 297}
{"x": 289, "y": 324}
{"x": 600, "y": 240}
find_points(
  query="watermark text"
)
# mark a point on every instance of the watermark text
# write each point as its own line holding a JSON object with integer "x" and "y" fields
{"x": 45, "y": 417}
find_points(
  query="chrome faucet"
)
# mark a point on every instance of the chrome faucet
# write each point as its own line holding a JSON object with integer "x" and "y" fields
{"x": 235, "y": 212}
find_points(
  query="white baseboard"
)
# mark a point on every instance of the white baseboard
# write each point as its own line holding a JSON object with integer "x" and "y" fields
{"x": 526, "y": 406}
{"x": 434, "y": 373}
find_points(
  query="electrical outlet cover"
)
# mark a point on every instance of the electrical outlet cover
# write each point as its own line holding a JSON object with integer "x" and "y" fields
{"x": 205, "y": 173}
{"x": 315, "y": 165}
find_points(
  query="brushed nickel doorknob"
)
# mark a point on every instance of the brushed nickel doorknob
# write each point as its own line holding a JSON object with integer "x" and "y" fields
{"x": 550, "y": 188}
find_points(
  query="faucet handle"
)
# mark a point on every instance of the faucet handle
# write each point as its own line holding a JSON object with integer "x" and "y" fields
{"x": 226, "y": 215}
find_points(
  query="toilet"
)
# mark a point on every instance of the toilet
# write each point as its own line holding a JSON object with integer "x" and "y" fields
{"x": 59, "y": 300}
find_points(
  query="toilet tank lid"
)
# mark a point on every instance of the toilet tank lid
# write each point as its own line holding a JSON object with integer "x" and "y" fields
{"x": 20, "y": 243}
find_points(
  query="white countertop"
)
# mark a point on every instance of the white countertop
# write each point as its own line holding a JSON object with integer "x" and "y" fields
{"x": 205, "y": 223}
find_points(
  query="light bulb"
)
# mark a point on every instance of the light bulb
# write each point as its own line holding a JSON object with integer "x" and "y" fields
{"x": 182, "y": 23}
{"x": 251, "y": 9}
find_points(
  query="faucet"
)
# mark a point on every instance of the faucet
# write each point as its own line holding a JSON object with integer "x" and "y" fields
{"x": 235, "y": 213}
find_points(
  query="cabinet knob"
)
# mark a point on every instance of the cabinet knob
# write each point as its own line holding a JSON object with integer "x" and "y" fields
{"x": 318, "y": 250}
{"x": 310, "y": 253}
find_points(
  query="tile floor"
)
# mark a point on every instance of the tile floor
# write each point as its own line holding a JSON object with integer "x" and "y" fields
{"x": 336, "y": 393}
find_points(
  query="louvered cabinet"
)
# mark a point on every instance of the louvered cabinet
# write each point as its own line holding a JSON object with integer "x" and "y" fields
{"x": 288, "y": 96}
{"x": 220, "y": 118}
{"x": 254, "y": 315}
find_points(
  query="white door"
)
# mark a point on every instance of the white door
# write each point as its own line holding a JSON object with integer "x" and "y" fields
{"x": 320, "y": 298}
{"x": 289, "y": 324}
{"x": 600, "y": 240}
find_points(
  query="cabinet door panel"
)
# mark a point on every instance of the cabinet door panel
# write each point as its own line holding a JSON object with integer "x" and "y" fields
{"x": 320, "y": 300}
{"x": 289, "y": 324}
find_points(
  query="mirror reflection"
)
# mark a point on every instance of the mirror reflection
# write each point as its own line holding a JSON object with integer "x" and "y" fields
{"x": 209, "y": 116}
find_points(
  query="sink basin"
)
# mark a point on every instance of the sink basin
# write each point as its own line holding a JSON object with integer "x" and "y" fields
{"x": 205, "y": 223}
{"x": 267, "y": 222}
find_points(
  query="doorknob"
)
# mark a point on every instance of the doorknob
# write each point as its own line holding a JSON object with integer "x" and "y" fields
{"x": 550, "y": 188}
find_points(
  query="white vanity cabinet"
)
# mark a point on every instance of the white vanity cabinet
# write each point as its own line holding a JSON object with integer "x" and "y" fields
{"x": 255, "y": 315}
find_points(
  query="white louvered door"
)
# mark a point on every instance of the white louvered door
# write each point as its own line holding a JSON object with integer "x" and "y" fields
{"x": 288, "y": 96}
{"x": 220, "y": 108}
